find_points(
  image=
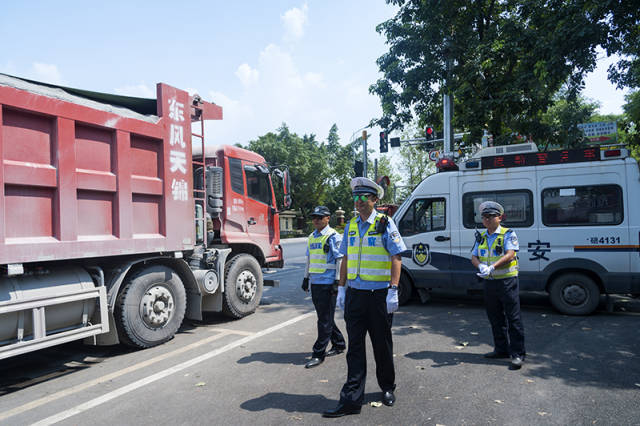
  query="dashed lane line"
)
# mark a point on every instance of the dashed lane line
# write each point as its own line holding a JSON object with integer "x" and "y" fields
{"x": 155, "y": 377}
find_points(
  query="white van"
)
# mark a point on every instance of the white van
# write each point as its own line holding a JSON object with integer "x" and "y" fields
{"x": 576, "y": 214}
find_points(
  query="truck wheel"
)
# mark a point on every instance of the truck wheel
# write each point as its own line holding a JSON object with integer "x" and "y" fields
{"x": 150, "y": 307}
{"x": 242, "y": 286}
{"x": 574, "y": 294}
{"x": 405, "y": 290}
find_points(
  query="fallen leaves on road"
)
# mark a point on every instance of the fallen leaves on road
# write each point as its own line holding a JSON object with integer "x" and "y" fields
{"x": 543, "y": 315}
{"x": 294, "y": 417}
{"x": 573, "y": 369}
{"x": 447, "y": 397}
{"x": 498, "y": 401}
{"x": 375, "y": 404}
{"x": 419, "y": 367}
{"x": 199, "y": 384}
{"x": 323, "y": 381}
{"x": 586, "y": 328}
{"x": 543, "y": 413}
{"x": 475, "y": 333}
{"x": 555, "y": 324}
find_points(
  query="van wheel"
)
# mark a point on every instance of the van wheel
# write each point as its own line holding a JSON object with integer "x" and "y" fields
{"x": 405, "y": 290}
{"x": 574, "y": 294}
{"x": 150, "y": 307}
{"x": 243, "y": 284}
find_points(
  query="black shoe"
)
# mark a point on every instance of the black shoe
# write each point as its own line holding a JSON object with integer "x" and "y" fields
{"x": 334, "y": 351}
{"x": 342, "y": 410}
{"x": 388, "y": 398}
{"x": 314, "y": 362}
{"x": 516, "y": 362}
{"x": 496, "y": 355}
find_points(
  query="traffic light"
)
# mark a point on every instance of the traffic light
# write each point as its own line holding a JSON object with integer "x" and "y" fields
{"x": 358, "y": 168}
{"x": 384, "y": 146}
{"x": 430, "y": 133}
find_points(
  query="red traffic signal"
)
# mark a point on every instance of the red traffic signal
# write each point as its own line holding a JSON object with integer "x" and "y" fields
{"x": 430, "y": 133}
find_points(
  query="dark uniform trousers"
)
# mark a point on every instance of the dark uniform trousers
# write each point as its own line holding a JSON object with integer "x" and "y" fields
{"x": 366, "y": 311}
{"x": 324, "y": 300}
{"x": 502, "y": 300}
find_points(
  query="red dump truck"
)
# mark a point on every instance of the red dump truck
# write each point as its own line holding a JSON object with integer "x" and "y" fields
{"x": 113, "y": 229}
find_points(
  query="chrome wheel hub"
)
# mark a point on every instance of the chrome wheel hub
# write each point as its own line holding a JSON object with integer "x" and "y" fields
{"x": 156, "y": 306}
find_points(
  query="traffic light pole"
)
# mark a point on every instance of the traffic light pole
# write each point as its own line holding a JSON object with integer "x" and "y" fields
{"x": 364, "y": 153}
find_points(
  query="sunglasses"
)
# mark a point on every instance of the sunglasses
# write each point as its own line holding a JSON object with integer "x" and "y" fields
{"x": 361, "y": 197}
{"x": 489, "y": 216}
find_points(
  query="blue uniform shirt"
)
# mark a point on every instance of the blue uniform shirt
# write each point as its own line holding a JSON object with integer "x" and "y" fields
{"x": 391, "y": 240}
{"x": 510, "y": 241}
{"x": 329, "y": 275}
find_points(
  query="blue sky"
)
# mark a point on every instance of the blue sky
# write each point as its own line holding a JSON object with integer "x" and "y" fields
{"x": 306, "y": 63}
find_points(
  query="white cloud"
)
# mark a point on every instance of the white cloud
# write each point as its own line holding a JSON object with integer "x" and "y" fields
{"x": 47, "y": 73}
{"x": 247, "y": 75}
{"x": 294, "y": 21}
{"x": 137, "y": 90}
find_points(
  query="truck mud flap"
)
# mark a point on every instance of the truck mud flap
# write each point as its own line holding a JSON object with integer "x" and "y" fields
{"x": 272, "y": 283}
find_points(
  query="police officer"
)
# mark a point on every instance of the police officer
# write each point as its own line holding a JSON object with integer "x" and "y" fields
{"x": 368, "y": 293}
{"x": 322, "y": 271}
{"x": 495, "y": 256}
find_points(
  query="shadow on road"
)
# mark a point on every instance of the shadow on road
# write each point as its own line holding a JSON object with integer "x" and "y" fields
{"x": 293, "y": 358}
{"x": 447, "y": 359}
{"x": 298, "y": 403}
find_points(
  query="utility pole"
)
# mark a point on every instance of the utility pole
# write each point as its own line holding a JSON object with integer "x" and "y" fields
{"x": 447, "y": 103}
{"x": 364, "y": 153}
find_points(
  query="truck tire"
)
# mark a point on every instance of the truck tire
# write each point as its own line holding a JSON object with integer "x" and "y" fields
{"x": 405, "y": 290}
{"x": 243, "y": 284}
{"x": 574, "y": 294}
{"x": 150, "y": 307}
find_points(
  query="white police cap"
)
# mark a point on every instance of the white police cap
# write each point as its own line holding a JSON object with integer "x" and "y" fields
{"x": 491, "y": 207}
{"x": 363, "y": 185}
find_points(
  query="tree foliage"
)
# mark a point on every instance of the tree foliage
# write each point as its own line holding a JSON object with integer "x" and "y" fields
{"x": 306, "y": 159}
{"x": 506, "y": 60}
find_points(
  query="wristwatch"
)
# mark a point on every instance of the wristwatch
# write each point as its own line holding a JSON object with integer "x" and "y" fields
{"x": 393, "y": 286}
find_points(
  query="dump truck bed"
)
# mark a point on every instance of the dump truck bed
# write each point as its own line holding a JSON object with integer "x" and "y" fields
{"x": 83, "y": 178}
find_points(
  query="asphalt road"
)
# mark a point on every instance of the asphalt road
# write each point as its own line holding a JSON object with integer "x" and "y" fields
{"x": 579, "y": 370}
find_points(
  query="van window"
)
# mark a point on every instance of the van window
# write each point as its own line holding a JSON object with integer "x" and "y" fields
{"x": 423, "y": 216}
{"x": 258, "y": 187}
{"x": 235, "y": 174}
{"x": 518, "y": 207}
{"x": 582, "y": 205}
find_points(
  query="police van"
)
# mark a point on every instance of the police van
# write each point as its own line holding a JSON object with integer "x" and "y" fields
{"x": 576, "y": 214}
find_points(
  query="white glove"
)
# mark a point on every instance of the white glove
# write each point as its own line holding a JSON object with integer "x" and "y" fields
{"x": 392, "y": 300}
{"x": 485, "y": 270}
{"x": 340, "y": 298}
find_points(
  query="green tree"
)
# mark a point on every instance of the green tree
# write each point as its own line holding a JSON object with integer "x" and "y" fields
{"x": 340, "y": 162}
{"x": 307, "y": 162}
{"x": 504, "y": 61}
{"x": 560, "y": 122}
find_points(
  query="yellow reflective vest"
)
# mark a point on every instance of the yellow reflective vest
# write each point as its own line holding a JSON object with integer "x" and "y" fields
{"x": 488, "y": 256}
{"x": 367, "y": 256}
{"x": 317, "y": 256}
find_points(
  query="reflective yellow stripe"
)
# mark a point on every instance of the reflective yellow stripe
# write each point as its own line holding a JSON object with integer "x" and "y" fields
{"x": 317, "y": 257}
{"x": 370, "y": 259}
{"x": 505, "y": 271}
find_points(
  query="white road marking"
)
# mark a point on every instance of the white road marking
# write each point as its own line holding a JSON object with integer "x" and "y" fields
{"x": 97, "y": 381}
{"x": 150, "y": 379}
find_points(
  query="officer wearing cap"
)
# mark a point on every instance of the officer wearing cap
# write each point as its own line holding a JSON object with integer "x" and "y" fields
{"x": 368, "y": 293}
{"x": 323, "y": 271}
{"x": 494, "y": 254}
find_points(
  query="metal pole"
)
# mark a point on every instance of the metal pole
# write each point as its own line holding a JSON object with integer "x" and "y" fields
{"x": 364, "y": 153}
{"x": 448, "y": 116}
{"x": 375, "y": 174}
